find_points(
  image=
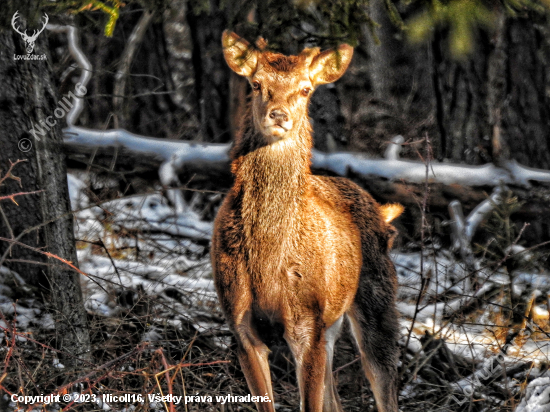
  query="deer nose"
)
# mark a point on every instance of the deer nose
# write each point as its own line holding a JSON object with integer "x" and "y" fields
{"x": 278, "y": 114}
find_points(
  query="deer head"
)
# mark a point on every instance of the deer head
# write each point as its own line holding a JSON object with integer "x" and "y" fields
{"x": 29, "y": 40}
{"x": 282, "y": 85}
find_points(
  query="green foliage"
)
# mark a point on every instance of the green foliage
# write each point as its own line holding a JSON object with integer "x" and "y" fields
{"x": 327, "y": 23}
{"x": 462, "y": 18}
{"x": 314, "y": 21}
{"x": 112, "y": 12}
{"x": 200, "y": 6}
{"x": 110, "y": 7}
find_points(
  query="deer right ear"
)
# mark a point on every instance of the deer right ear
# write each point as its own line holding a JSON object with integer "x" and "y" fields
{"x": 241, "y": 57}
{"x": 330, "y": 65}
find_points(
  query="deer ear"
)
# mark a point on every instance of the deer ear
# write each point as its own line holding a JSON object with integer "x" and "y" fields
{"x": 330, "y": 65}
{"x": 241, "y": 57}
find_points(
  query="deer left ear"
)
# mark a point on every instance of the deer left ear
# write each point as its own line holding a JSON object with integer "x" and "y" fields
{"x": 330, "y": 65}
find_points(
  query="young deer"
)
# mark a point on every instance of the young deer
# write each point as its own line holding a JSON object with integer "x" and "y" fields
{"x": 296, "y": 252}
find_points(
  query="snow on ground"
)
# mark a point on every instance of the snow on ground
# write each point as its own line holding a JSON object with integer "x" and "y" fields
{"x": 27, "y": 311}
{"x": 447, "y": 276}
{"x": 145, "y": 248}
{"x": 537, "y": 396}
{"x": 140, "y": 244}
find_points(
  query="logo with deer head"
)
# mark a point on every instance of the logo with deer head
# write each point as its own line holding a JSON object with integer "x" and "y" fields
{"x": 29, "y": 40}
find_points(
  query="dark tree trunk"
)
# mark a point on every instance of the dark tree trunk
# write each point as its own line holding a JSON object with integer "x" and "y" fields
{"x": 526, "y": 109}
{"x": 211, "y": 72}
{"x": 495, "y": 104}
{"x": 27, "y": 98}
{"x": 491, "y": 106}
{"x": 460, "y": 88}
{"x": 388, "y": 89}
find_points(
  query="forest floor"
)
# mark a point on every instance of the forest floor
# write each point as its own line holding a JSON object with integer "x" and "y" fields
{"x": 157, "y": 329}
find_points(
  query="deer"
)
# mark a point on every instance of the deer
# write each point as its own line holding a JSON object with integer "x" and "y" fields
{"x": 29, "y": 40}
{"x": 296, "y": 253}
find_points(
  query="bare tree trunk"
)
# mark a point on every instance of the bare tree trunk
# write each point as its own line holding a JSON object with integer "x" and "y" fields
{"x": 526, "y": 109}
{"x": 27, "y": 98}
{"x": 461, "y": 89}
{"x": 495, "y": 104}
{"x": 381, "y": 55}
{"x": 211, "y": 71}
{"x": 388, "y": 88}
{"x": 496, "y": 93}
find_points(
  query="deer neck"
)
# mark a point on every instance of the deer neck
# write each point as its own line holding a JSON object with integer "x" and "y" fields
{"x": 271, "y": 181}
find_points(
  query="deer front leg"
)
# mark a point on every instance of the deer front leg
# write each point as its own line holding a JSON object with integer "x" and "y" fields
{"x": 233, "y": 287}
{"x": 252, "y": 354}
{"x": 308, "y": 346}
{"x": 331, "y": 401}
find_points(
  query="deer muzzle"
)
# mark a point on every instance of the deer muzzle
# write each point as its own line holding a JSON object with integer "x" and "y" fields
{"x": 277, "y": 123}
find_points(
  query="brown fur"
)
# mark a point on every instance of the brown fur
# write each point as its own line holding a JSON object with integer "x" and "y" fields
{"x": 300, "y": 251}
{"x": 279, "y": 62}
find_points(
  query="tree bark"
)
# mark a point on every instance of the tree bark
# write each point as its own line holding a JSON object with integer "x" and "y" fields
{"x": 494, "y": 105}
{"x": 211, "y": 71}
{"x": 526, "y": 110}
{"x": 27, "y": 98}
{"x": 460, "y": 86}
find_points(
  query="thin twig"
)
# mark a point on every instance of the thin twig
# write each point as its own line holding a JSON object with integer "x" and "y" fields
{"x": 48, "y": 254}
{"x": 11, "y": 197}
{"x": 8, "y": 173}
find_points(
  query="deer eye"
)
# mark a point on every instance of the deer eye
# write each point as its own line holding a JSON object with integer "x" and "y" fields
{"x": 256, "y": 86}
{"x": 305, "y": 91}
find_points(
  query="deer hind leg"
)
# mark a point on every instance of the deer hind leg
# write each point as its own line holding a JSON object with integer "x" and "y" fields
{"x": 307, "y": 344}
{"x": 374, "y": 325}
{"x": 331, "y": 401}
{"x": 253, "y": 354}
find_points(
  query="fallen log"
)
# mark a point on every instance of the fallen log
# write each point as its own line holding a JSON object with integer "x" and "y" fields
{"x": 389, "y": 179}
